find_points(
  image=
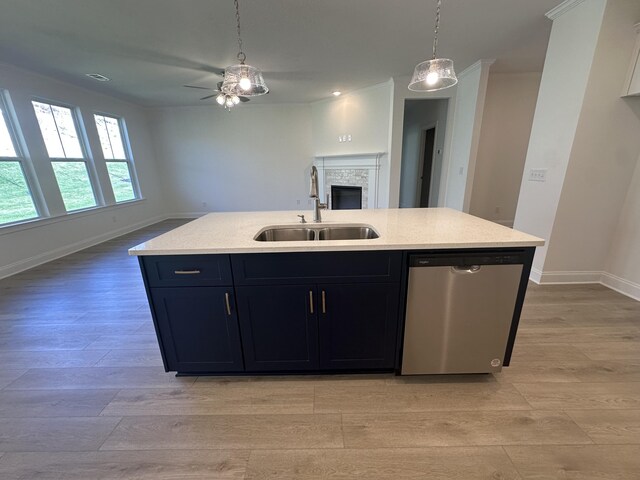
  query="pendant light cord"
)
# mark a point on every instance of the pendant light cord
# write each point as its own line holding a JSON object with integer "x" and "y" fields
{"x": 435, "y": 36}
{"x": 241, "y": 56}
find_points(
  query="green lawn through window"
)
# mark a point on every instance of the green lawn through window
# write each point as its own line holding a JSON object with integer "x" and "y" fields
{"x": 15, "y": 199}
{"x": 121, "y": 181}
{"x": 75, "y": 186}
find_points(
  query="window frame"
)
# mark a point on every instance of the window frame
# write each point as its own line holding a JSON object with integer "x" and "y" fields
{"x": 126, "y": 146}
{"x": 87, "y": 159}
{"x": 22, "y": 160}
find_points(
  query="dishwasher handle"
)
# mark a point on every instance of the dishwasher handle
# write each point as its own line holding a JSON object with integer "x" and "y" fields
{"x": 465, "y": 270}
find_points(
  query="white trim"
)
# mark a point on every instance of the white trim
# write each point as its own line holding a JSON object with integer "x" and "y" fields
{"x": 535, "y": 276}
{"x": 551, "y": 278}
{"x": 39, "y": 222}
{"x": 479, "y": 64}
{"x": 620, "y": 285}
{"x": 27, "y": 263}
{"x": 563, "y": 8}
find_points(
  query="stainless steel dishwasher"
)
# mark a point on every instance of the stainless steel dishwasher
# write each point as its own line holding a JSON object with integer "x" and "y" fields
{"x": 459, "y": 312}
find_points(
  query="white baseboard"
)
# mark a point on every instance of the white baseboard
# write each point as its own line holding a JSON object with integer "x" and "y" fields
{"x": 551, "y": 278}
{"x": 535, "y": 275}
{"x": 27, "y": 263}
{"x": 620, "y": 285}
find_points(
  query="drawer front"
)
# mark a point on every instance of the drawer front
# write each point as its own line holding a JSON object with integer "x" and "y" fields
{"x": 326, "y": 267}
{"x": 188, "y": 270}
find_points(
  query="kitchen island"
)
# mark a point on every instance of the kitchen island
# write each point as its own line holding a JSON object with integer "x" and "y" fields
{"x": 225, "y": 303}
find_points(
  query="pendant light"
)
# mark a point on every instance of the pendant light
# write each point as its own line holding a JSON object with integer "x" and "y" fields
{"x": 434, "y": 74}
{"x": 242, "y": 79}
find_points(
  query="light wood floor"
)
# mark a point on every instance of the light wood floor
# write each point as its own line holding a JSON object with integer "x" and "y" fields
{"x": 83, "y": 395}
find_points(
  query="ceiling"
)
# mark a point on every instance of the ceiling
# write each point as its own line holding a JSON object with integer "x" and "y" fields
{"x": 306, "y": 48}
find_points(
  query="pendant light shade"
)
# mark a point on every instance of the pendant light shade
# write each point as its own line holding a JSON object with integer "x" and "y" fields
{"x": 432, "y": 75}
{"x": 437, "y": 73}
{"x": 243, "y": 80}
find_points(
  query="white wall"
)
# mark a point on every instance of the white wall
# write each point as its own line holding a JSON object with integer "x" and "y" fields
{"x": 623, "y": 265}
{"x": 365, "y": 115}
{"x": 465, "y": 135}
{"x": 564, "y": 80}
{"x": 24, "y": 246}
{"x": 504, "y": 137}
{"x": 256, "y": 157}
{"x": 421, "y": 114}
{"x": 604, "y": 154}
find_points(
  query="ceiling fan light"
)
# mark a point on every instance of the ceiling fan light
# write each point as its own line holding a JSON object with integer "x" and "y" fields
{"x": 432, "y": 75}
{"x": 244, "y": 80}
{"x": 235, "y": 99}
{"x": 220, "y": 99}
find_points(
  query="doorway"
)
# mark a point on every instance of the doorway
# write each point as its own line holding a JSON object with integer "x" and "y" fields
{"x": 426, "y": 170}
{"x": 423, "y": 138}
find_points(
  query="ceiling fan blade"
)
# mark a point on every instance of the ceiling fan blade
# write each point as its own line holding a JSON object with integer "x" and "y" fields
{"x": 244, "y": 99}
{"x": 195, "y": 86}
{"x": 209, "y": 96}
{"x": 219, "y": 86}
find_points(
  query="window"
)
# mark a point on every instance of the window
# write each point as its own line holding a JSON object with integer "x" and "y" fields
{"x": 16, "y": 201}
{"x": 58, "y": 127}
{"x": 119, "y": 164}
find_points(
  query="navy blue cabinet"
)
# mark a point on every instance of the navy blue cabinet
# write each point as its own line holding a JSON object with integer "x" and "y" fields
{"x": 279, "y": 326}
{"x": 358, "y": 325}
{"x": 198, "y": 329}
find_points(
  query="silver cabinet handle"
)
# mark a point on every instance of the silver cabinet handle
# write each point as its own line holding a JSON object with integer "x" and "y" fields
{"x": 324, "y": 302}
{"x": 226, "y": 299}
{"x": 186, "y": 272}
{"x": 311, "y": 301}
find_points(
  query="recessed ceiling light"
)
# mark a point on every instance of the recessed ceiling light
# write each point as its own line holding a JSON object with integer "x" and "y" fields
{"x": 336, "y": 93}
{"x": 97, "y": 76}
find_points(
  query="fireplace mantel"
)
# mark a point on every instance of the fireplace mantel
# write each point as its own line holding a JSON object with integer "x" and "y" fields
{"x": 358, "y": 169}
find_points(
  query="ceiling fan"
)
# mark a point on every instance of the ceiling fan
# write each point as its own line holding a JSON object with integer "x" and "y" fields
{"x": 223, "y": 99}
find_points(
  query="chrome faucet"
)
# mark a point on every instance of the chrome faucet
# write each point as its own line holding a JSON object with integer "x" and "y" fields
{"x": 313, "y": 193}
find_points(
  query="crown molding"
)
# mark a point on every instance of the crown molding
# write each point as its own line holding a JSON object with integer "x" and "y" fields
{"x": 563, "y": 8}
{"x": 476, "y": 66}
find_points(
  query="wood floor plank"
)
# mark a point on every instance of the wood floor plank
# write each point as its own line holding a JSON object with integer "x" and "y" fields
{"x": 54, "y": 403}
{"x": 573, "y": 335}
{"x": 149, "y": 357}
{"x": 70, "y": 434}
{"x": 574, "y": 371}
{"x": 611, "y": 350}
{"x": 9, "y": 375}
{"x": 418, "y": 398}
{"x": 466, "y": 463}
{"x": 224, "y": 400}
{"x": 581, "y": 395}
{"x": 295, "y": 380}
{"x": 589, "y": 462}
{"x": 50, "y": 358}
{"x": 528, "y": 354}
{"x": 226, "y": 432}
{"x": 124, "y": 342}
{"x": 98, "y": 377}
{"x": 139, "y": 465}
{"x": 609, "y": 426}
{"x": 460, "y": 429}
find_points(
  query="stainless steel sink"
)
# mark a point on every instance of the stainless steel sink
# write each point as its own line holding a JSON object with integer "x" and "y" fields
{"x": 347, "y": 233}
{"x": 286, "y": 234}
{"x": 334, "y": 232}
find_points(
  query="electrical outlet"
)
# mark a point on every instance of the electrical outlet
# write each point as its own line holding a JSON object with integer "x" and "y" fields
{"x": 497, "y": 210}
{"x": 204, "y": 204}
{"x": 538, "y": 175}
{"x": 461, "y": 171}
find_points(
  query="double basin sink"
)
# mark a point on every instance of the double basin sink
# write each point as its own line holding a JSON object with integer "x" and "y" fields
{"x": 334, "y": 232}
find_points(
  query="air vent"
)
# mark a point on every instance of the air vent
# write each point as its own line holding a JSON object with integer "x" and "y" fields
{"x": 97, "y": 76}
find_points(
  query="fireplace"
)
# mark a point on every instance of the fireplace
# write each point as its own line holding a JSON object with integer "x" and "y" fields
{"x": 354, "y": 177}
{"x": 344, "y": 197}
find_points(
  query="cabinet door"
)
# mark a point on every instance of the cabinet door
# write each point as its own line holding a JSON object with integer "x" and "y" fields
{"x": 198, "y": 329}
{"x": 357, "y": 325}
{"x": 279, "y": 327}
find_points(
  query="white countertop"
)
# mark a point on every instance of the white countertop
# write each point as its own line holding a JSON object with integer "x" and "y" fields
{"x": 399, "y": 229}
